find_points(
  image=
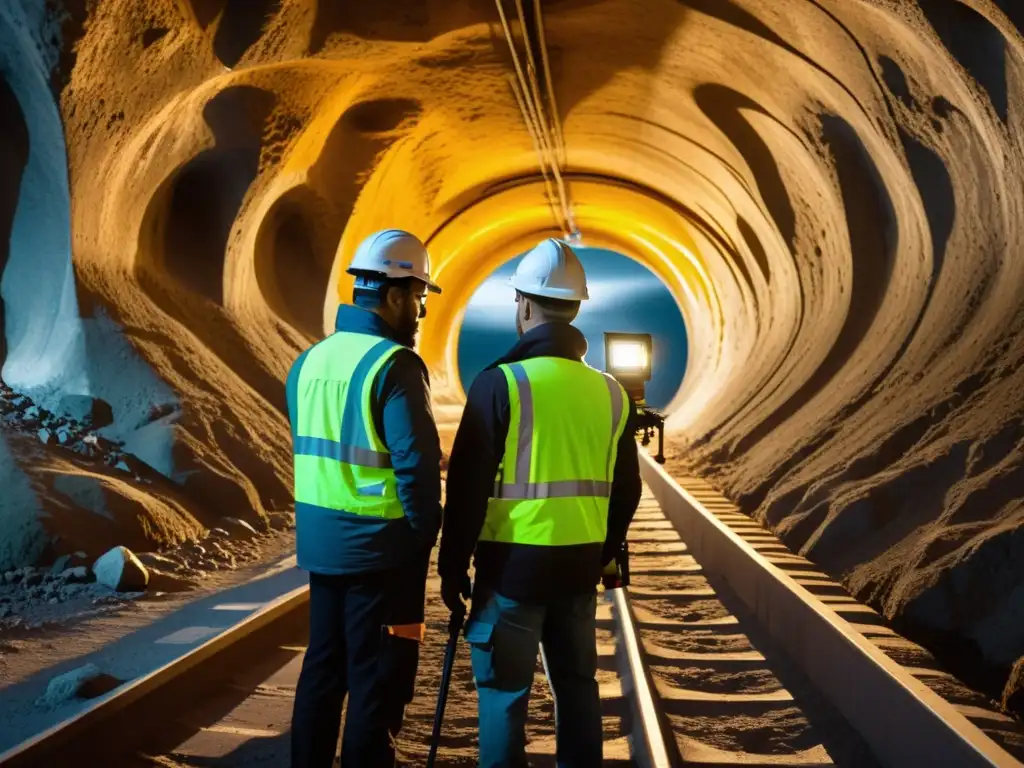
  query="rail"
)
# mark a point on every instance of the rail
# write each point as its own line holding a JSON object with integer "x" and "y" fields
{"x": 66, "y": 743}
{"x": 903, "y": 721}
{"x": 651, "y": 742}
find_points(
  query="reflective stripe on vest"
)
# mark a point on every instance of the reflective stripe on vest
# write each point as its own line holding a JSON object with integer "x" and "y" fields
{"x": 341, "y": 463}
{"x": 555, "y": 478}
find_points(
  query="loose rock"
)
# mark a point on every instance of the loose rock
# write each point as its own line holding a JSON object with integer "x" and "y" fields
{"x": 121, "y": 570}
{"x": 66, "y": 687}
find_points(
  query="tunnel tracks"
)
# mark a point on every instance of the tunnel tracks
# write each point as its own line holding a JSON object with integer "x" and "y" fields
{"x": 725, "y": 649}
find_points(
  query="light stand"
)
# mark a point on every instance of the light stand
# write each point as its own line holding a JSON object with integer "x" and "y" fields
{"x": 628, "y": 359}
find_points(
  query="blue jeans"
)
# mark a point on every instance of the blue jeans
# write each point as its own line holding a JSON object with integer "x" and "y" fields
{"x": 504, "y": 636}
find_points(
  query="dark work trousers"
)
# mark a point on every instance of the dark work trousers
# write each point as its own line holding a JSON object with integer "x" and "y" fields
{"x": 352, "y": 652}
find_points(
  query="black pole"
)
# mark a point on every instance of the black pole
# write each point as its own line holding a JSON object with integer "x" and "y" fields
{"x": 454, "y": 629}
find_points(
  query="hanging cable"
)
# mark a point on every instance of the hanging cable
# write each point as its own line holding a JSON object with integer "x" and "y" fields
{"x": 517, "y": 90}
{"x": 559, "y": 137}
{"x": 550, "y": 140}
{"x": 548, "y": 143}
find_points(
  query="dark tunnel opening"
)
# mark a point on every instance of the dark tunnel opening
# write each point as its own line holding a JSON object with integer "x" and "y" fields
{"x": 205, "y": 200}
{"x": 207, "y": 194}
{"x": 189, "y": 224}
{"x": 976, "y": 44}
{"x": 723, "y": 107}
{"x": 14, "y": 148}
{"x": 294, "y": 253}
{"x": 241, "y": 25}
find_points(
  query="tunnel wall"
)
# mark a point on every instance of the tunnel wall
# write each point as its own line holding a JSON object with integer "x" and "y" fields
{"x": 830, "y": 188}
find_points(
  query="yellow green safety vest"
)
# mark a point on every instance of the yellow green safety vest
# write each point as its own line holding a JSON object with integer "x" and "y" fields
{"x": 555, "y": 479}
{"x": 341, "y": 463}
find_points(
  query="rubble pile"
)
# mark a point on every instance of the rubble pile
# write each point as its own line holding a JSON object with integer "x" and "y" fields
{"x": 33, "y": 596}
{"x": 75, "y": 431}
{"x": 26, "y": 594}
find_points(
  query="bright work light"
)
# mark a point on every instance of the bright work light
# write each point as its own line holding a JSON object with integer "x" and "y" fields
{"x": 628, "y": 357}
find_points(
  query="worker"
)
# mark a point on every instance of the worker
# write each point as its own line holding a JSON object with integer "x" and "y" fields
{"x": 543, "y": 482}
{"x": 367, "y": 507}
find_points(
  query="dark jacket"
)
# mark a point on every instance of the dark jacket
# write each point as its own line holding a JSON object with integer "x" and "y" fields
{"x": 344, "y": 543}
{"x": 526, "y": 573}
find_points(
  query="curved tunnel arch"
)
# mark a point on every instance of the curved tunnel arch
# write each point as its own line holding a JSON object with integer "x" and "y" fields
{"x": 722, "y": 144}
{"x": 504, "y": 224}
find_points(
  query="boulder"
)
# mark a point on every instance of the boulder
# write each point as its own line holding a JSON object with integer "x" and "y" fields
{"x": 65, "y": 687}
{"x": 88, "y": 410}
{"x": 84, "y": 682}
{"x": 120, "y": 570}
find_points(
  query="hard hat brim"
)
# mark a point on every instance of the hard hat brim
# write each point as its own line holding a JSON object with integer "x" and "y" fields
{"x": 565, "y": 294}
{"x": 431, "y": 286}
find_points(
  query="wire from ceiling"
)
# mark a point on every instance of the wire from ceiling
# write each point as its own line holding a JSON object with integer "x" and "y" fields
{"x": 541, "y": 122}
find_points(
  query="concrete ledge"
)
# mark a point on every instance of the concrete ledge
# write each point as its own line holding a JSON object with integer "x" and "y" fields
{"x": 67, "y": 738}
{"x": 904, "y": 721}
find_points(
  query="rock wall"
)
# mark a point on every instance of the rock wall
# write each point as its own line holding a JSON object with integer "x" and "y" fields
{"x": 830, "y": 187}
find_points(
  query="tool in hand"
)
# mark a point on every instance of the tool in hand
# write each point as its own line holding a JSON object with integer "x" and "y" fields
{"x": 454, "y": 630}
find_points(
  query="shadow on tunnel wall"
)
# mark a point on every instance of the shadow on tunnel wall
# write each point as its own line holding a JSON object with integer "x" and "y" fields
{"x": 186, "y": 229}
{"x": 978, "y": 46}
{"x": 871, "y": 224}
{"x": 299, "y": 236}
{"x": 13, "y": 158}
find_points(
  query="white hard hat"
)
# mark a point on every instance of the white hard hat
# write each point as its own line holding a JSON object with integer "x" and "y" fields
{"x": 394, "y": 253}
{"x": 552, "y": 270}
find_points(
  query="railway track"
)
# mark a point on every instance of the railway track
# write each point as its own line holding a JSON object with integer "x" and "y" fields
{"x": 700, "y": 662}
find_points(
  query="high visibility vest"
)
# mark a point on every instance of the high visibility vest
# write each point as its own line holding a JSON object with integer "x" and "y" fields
{"x": 341, "y": 463}
{"x": 555, "y": 478}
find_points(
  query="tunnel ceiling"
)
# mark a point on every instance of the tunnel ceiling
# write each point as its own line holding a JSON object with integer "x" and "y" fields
{"x": 830, "y": 188}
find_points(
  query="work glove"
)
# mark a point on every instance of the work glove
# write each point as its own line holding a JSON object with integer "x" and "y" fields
{"x": 454, "y": 591}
